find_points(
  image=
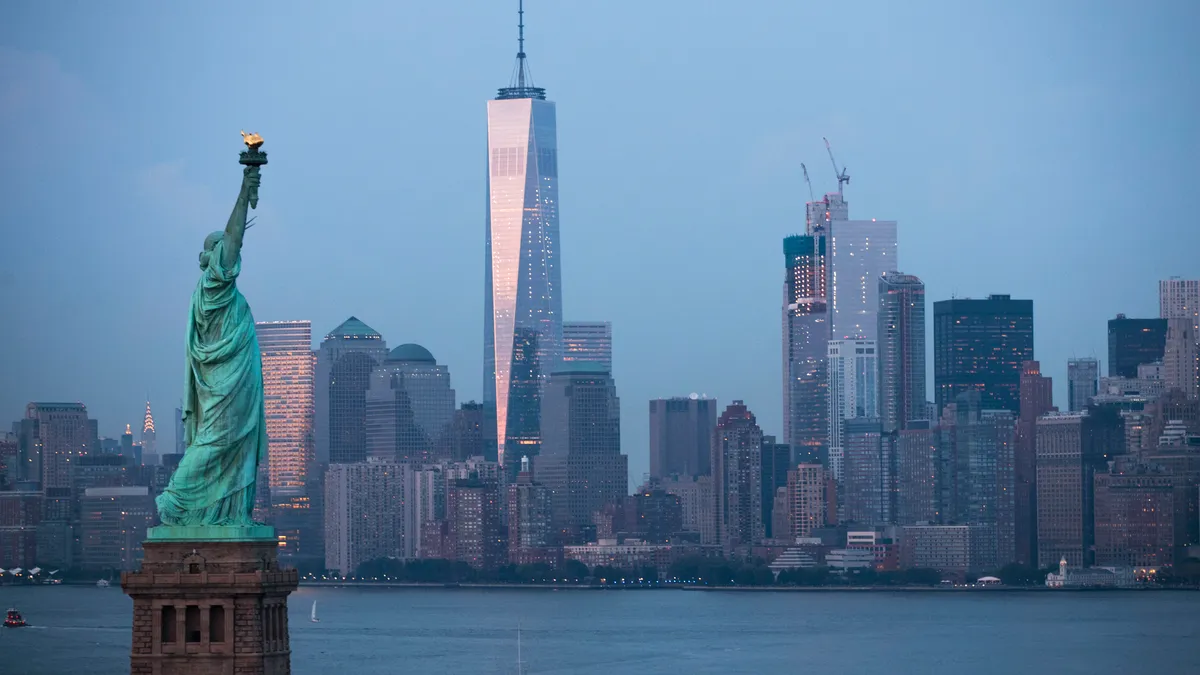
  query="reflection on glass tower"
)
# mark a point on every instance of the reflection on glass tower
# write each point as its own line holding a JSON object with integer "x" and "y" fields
{"x": 523, "y": 303}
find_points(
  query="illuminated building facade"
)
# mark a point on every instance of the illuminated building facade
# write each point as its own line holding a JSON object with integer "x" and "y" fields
{"x": 805, "y": 340}
{"x": 901, "y": 345}
{"x": 288, "y": 374}
{"x": 588, "y": 341}
{"x": 523, "y": 327}
{"x": 981, "y": 345}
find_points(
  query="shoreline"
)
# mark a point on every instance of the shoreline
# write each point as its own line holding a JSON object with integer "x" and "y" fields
{"x": 719, "y": 589}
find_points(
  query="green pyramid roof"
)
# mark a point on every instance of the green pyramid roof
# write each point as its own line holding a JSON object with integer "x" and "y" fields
{"x": 353, "y": 328}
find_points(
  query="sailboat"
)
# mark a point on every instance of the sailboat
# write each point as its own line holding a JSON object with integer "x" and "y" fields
{"x": 520, "y": 663}
{"x": 314, "y": 613}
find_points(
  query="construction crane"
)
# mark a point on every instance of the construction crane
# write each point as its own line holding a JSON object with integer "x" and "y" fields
{"x": 842, "y": 176}
{"x": 811, "y": 197}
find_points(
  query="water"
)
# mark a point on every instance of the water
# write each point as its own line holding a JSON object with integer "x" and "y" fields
{"x": 376, "y": 631}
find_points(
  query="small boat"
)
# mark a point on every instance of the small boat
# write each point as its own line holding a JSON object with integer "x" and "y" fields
{"x": 103, "y": 583}
{"x": 314, "y": 618}
{"x": 14, "y": 619}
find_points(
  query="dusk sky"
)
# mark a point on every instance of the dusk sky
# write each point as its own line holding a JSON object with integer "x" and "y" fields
{"x": 1048, "y": 150}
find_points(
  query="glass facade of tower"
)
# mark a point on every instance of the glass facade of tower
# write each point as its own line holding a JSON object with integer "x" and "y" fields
{"x": 901, "y": 342}
{"x": 805, "y": 340}
{"x": 853, "y": 390}
{"x": 980, "y": 345}
{"x": 288, "y": 371}
{"x": 860, "y": 252}
{"x": 588, "y": 341}
{"x": 523, "y": 301}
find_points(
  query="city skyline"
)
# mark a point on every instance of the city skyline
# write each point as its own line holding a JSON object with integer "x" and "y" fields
{"x": 140, "y": 315}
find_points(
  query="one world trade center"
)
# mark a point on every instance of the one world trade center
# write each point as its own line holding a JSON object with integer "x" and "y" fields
{"x": 523, "y": 277}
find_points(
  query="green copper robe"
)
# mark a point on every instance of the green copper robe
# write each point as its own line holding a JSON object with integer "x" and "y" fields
{"x": 224, "y": 421}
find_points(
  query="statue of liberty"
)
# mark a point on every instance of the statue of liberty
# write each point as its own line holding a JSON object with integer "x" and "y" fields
{"x": 223, "y": 417}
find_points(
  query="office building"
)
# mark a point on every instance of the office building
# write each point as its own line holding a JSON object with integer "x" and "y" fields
{"x": 409, "y": 407}
{"x": 51, "y": 437}
{"x": 288, "y": 368}
{"x": 853, "y": 388}
{"x": 530, "y": 527}
{"x": 980, "y": 345}
{"x": 471, "y": 434}
{"x": 805, "y": 346}
{"x": 983, "y": 468}
{"x": 901, "y": 350}
{"x": 775, "y": 460}
{"x": 1037, "y": 393}
{"x": 10, "y": 461}
{"x": 916, "y": 474}
{"x": 953, "y": 550}
{"x": 1060, "y": 493}
{"x": 1136, "y": 523}
{"x": 681, "y": 433}
{"x": 868, "y": 473}
{"x": 737, "y": 478}
{"x": 588, "y": 341}
{"x": 523, "y": 324}
{"x": 860, "y": 251}
{"x": 113, "y": 524}
{"x": 697, "y": 504}
{"x": 805, "y": 490}
{"x": 473, "y": 522}
{"x": 1181, "y": 358}
{"x": 345, "y": 361}
{"x": 1180, "y": 299}
{"x": 1132, "y": 342}
{"x": 365, "y": 514}
{"x": 1083, "y": 382}
{"x": 581, "y": 461}
{"x": 149, "y": 439}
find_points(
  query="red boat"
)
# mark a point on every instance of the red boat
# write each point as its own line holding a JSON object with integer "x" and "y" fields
{"x": 14, "y": 619}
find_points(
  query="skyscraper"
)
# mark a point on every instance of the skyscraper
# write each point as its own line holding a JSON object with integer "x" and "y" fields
{"x": 523, "y": 325}
{"x": 581, "y": 460}
{"x": 805, "y": 345}
{"x": 530, "y": 527}
{"x": 365, "y": 518}
{"x": 410, "y": 405}
{"x": 1083, "y": 382}
{"x": 901, "y": 350}
{"x": 916, "y": 474}
{"x": 681, "y": 433}
{"x": 980, "y": 345}
{"x": 51, "y": 437}
{"x": 1037, "y": 393}
{"x": 288, "y": 370}
{"x": 868, "y": 473}
{"x": 345, "y": 360}
{"x": 775, "y": 460}
{"x": 588, "y": 341}
{"x": 853, "y": 388}
{"x": 737, "y": 474}
{"x": 860, "y": 252}
{"x": 1180, "y": 299}
{"x": 1060, "y": 489}
{"x": 1181, "y": 357}
{"x": 806, "y": 485}
{"x": 149, "y": 439}
{"x": 1133, "y": 342}
{"x": 984, "y": 472}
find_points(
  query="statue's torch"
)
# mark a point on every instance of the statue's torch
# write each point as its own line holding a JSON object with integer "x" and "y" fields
{"x": 252, "y": 158}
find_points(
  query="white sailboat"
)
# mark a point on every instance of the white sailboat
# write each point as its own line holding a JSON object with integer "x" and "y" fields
{"x": 520, "y": 663}
{"x": 314, "y": 613}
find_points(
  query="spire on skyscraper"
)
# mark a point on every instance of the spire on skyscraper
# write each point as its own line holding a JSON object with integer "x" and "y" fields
{"x": 521, "y": 84}
{"x": 148, "y": 423}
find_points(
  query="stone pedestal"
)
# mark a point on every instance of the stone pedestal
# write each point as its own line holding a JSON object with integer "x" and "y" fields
{"x": 210, "y": 608}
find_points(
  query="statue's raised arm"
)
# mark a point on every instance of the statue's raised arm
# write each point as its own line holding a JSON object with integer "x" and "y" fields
{"x": 235, "y": 229}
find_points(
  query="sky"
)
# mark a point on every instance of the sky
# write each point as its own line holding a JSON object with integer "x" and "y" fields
{"x": 1046, "y": 150}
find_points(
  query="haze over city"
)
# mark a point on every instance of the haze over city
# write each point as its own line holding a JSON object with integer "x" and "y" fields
{"x": 1041, "y": 151}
